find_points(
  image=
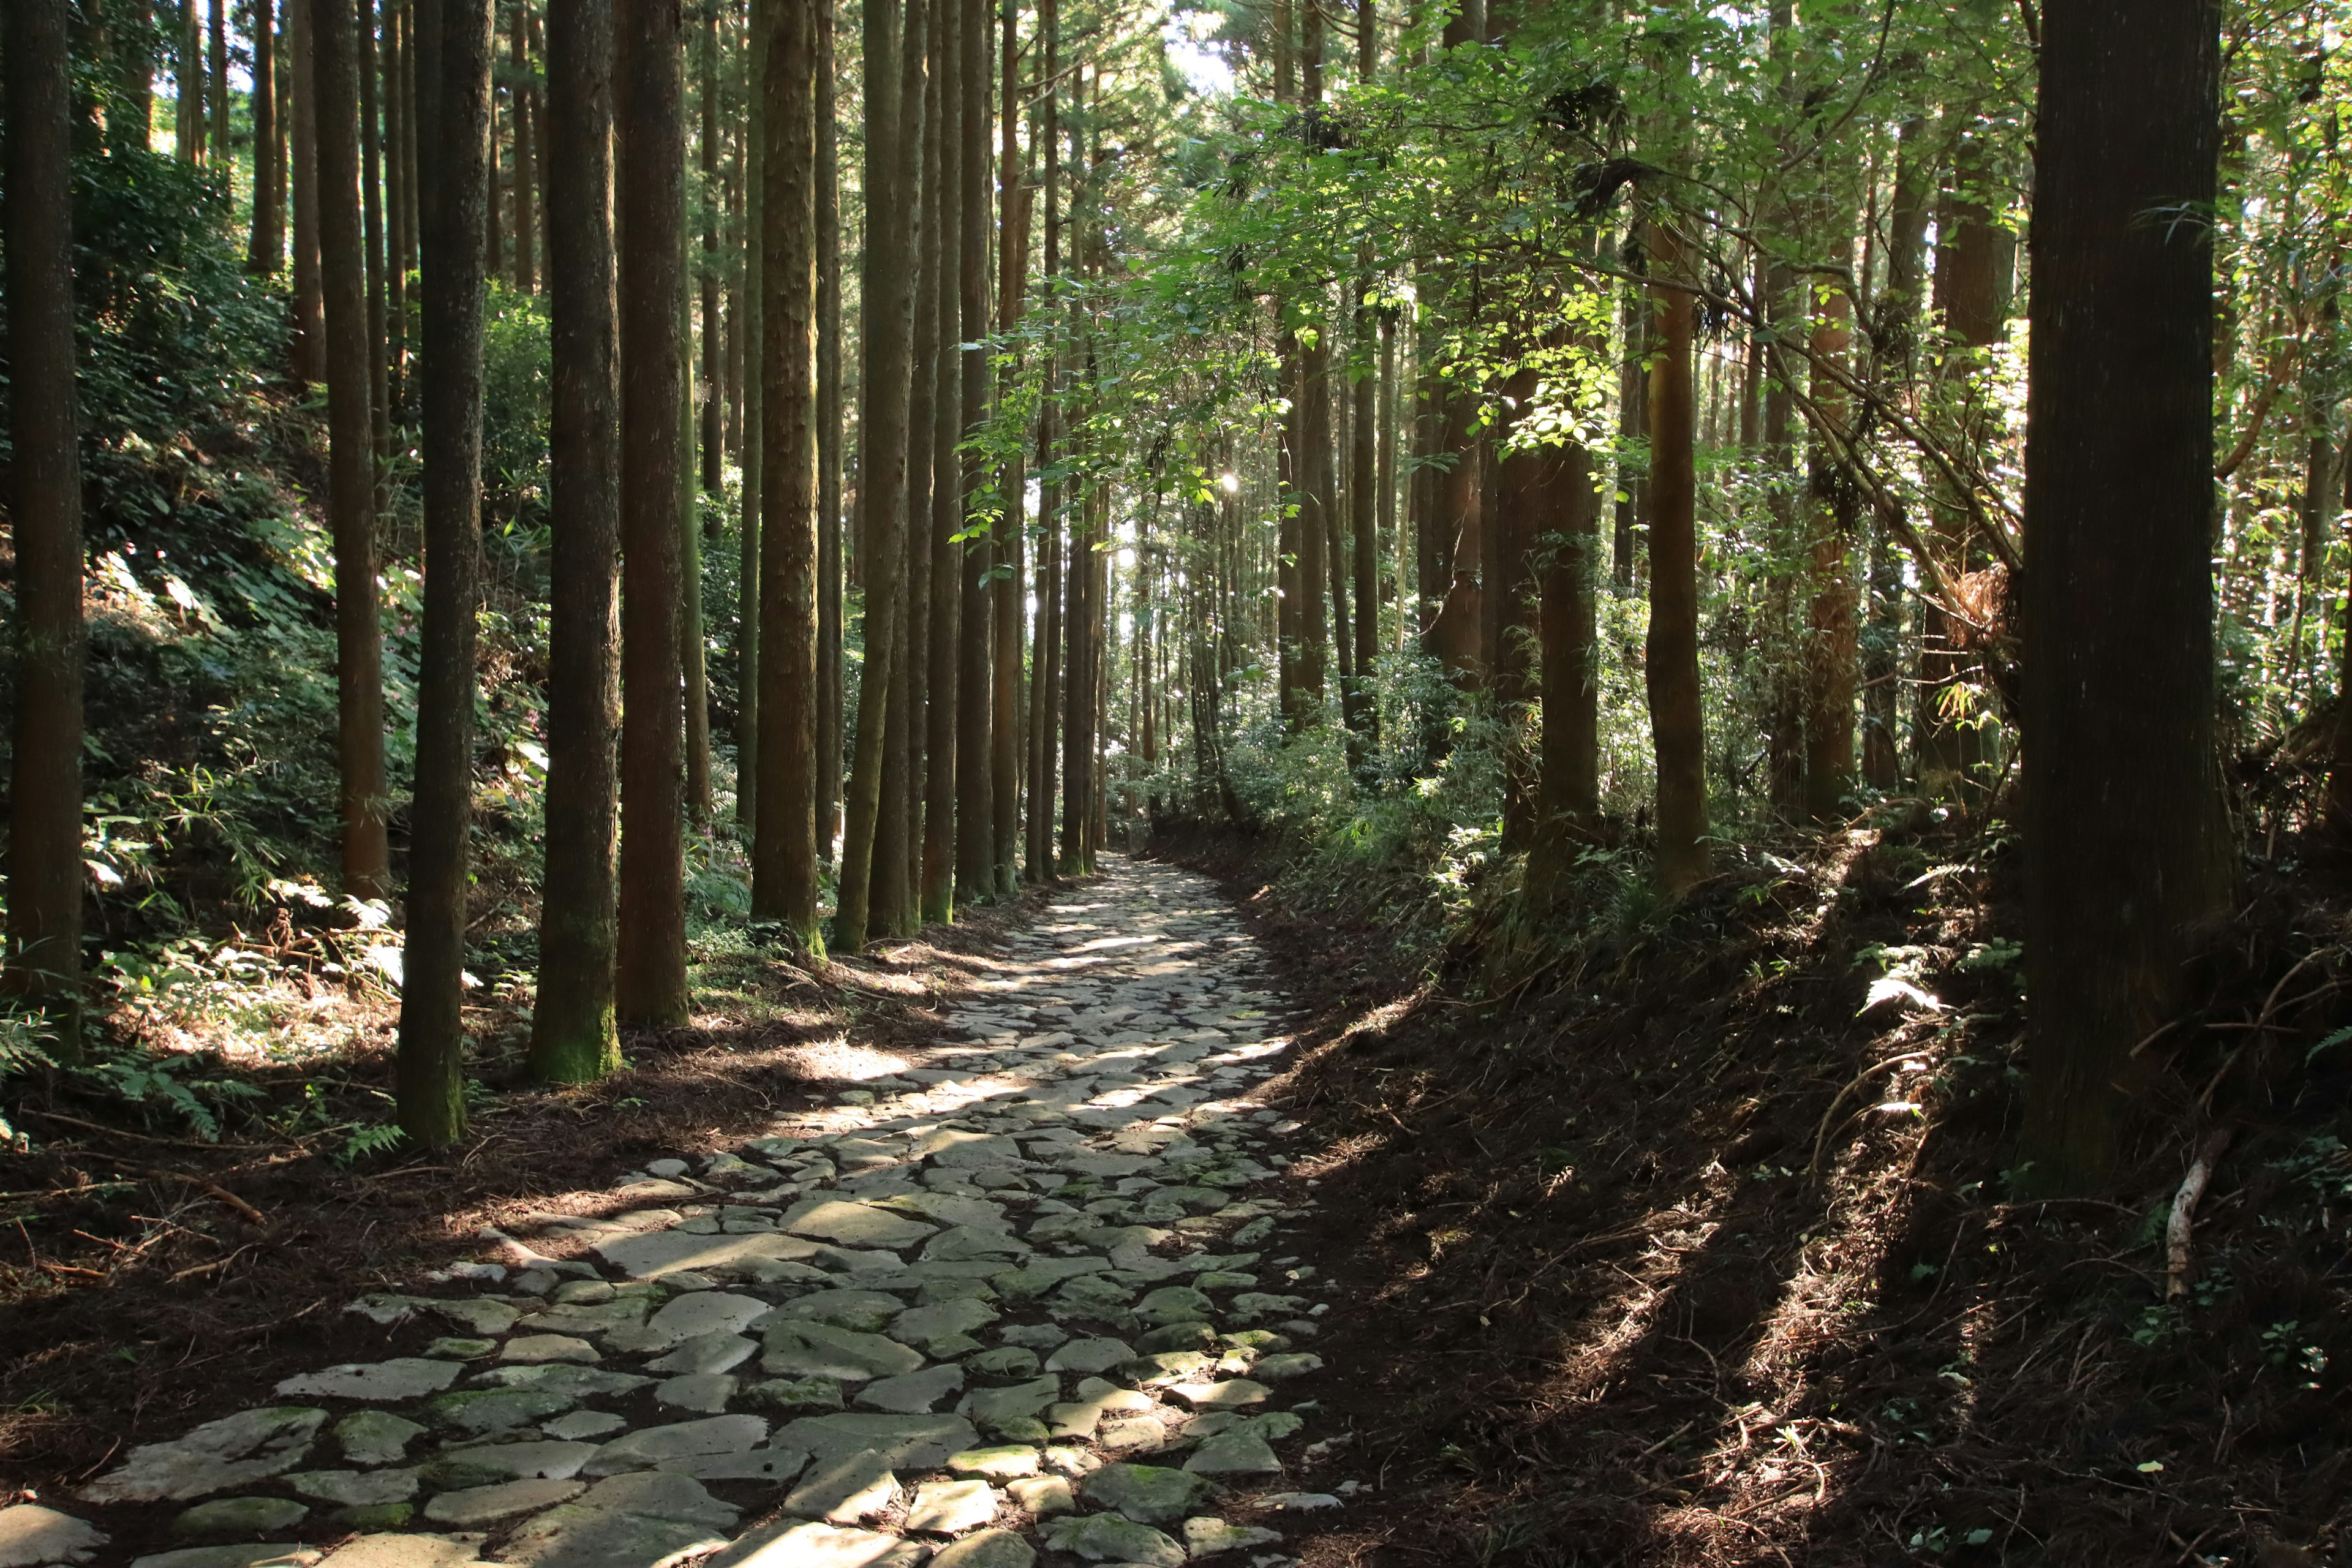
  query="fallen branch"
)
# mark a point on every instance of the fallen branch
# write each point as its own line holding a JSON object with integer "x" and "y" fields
{"x": 210, "y": 1189}
{"x": 2184, "y": 1215}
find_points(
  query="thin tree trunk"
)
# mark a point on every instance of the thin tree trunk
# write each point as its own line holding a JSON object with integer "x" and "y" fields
{"x": 396, "y": 209}
{"x": 892, "y": 165}
{"x": 573, "y": 1038}
{"x": 309, "y": 349}
{"x": 1013, "y": 267}
{"x": 747, "y": 605}
{"x": 1633, "y": 426}
{"x": 714, "y": 456}
{"x": 371, "y": 216}
{"x": 455, "y": 73}
{"x": 2126, "y": 848}
{"x": 784, "y": 874}
{"x": 138, "y": 76}
{"x": 830, "y": 570}
{"x": 942, "y": 758}
{"x": 1363, "y": 504}
{"x": 975, "y": 561}
{"x": 45, "y": 865}
{"x": 692, "y": 647}
{"x": 649, "y": 147}
{"x": 223, "y": 158}
{"x": 266, "y": 251}
{"x": 526, "y": 155}
{"x": 1671, "y": 655}
{"x": 1532, "y": 501}
{"x": 1830, "y": 506}
{"x": 351, "y": 499}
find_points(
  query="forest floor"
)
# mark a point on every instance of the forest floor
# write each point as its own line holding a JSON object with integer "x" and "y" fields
{"x": 1656, "y": 1253}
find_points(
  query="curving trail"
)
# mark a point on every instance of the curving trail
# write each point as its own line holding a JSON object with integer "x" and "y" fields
{"x": 1019, "y": 1299}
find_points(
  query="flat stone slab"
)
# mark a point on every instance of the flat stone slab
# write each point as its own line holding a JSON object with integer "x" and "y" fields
{"x": 816, "y": 1545}
{"x": 701, "y": 1312}
{"x": 908, "y": 1442}
{"x": 952, "y": 1508}
{"x": 1234, "y": 1454}
{"x": 483, "y": 1463}
{"x": 707, "y": 1354}
{"x": 1207, "y": 1535}
{"x": 376, "y": 1437}
{"x": 401, "y": 1551}
{"x": 913, "y": 1393}
{"x": 355, "y": 1488}
{"x": 989, "y": 1549}
{"x": 628, "y": 1521}
{"x": 1090, "y": 1356}
{"x": 809, "y": 1349}
{"x": 1108, "y": 1538}
{"x": 233, "y": 1451}
{"x": 478, "y": 1505}
{"x": 548, "y": 1347}
{"x": 864, "y": 1310}
{"x": 846, "y": 1489}
{"x": 32, "y": 1536}
{"x": 856, "y": 1225}
{"x": 649, "y": 1446}
{"x": 249, "y": 1554}
{"x": 1144, "y": 1493}
{"x": 660, "y": 1252}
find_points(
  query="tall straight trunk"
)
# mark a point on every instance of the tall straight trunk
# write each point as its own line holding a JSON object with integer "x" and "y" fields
{"x": 138, "y": 76}
{"x": 573, "y": 1038}
{"x": 1454, "y": 494}
{"x": 1363, "y": 503}
{"x": 713, "y": 425}
{"x": 830, "y": 567}
{"x": 351, "y": 471}
{"x": 216, "y": 106}
{"x": 396, "y": 109}
{"x": 1531, "y": 501}
{"x": 1633, "y": 424}
{"x": 1315, "y": 501}
{"x": 1784, "y": 762}
{"x": 1568, "y": 791}
{"x": 649, "y": 148}
{"x": 1080, "y": 614}
{"x": 414, "y": 181}
{"x": 892, "y": 37}
{"x": 1670, "y": 674}
{"x": 934, "y": 514}
{"x": 976, "y": 561}
{"x": 2126, "y": 848}
{"x": 1894, "y": 332}
{"x": 1385, "y": 480}
{"x": 45, "y": 867}
{"x": 1045, "y": 684}
{"x": 264, "y": 251}
{"x": 1971, "y": 254}
{"x": 455, "y": 73}
{"x": 494, "y": 238}
{"x": 188, "y": 83}
{"x": 747, "y": 607}
{"x": 692, "y": 647}
{"x": 1830, "y": 506}
{"x": 526, "y": 155}
{"x": 1290, "y": 504}
{"x": 1013, "y": 266}
{"x": 371, "y": 223}
{"x": 310, "y": 348}
{"x": 783, "y": 868}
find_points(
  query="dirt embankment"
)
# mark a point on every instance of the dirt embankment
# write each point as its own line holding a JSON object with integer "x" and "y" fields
{"x": 1678, "y": 1253}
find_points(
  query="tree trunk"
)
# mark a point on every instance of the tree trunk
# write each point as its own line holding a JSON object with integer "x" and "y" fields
{"x": 1671, "y": 654}
{"x": 649, "y": 148}
{"x": 747, "y": 602}
{"x": 1013, "y": 266}
{"x": 44, "y": 869}
{"x": 1044, "y": 692}
{"x": 138, "y": 45}
{"x": 309, "y": 346}
{"x": 784, "y": 875}
{"x": 266, "y": 251}
{"x": 1831, "y": 505}
{"x": 350, "y": 472}
{"x": 892, "y": 161}
{"x": 526, "y": 157}
{"x": 216, "y": 28}
{"x": 1633, "y": 426}
{"x": 396, "y": 213}
{"x": 454, "y": 71}
{"x": 830, "y": 566}
{"x": 573, "y": 1038}
{"x": 1363, "y": 508}
{"x": 692, "y": 646}
{"x": 1569, "y": 804}
{"x": 1532, "y": 502}
{"x": 714, "y": 376}
{"x": 975, "y": 561}
{"x": 944, "y": 596}
{"x": 372, "y": 225}
{"x": 2126, "y": 848}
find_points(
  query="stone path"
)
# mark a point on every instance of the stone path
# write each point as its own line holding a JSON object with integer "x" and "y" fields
{"x": 1017, "y": 1298}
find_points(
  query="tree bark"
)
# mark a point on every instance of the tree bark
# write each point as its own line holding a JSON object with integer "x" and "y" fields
{"x": 217, "y": 27}
{"x": 714, "y": 379}
{"x": 573, "y": 1038}
{"x": 526, "y": 155}
{"x": 45, "y": 863}
{"x": 430, "y": 1070}
{"x": 943, "y": 618}
{"x": 351, "y": 471}
{"x": 649, "y": 156}
{"x": 2126, "y": 848}
{"x": 830, "y": 570}
{"x": 975, "y": 561}
{"x": 784, "y": 874}
{"x": 310, "y": 345}
{"x": 1671, "y": 665}
{"x": 1013, "y": 267}
{"x": 892, "y": 165}
{"x": 1831, "y": 646}
{"x": 266, "y": 251}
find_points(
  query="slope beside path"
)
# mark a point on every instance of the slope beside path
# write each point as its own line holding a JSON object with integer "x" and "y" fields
{"x": 1020, "y": 1299}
